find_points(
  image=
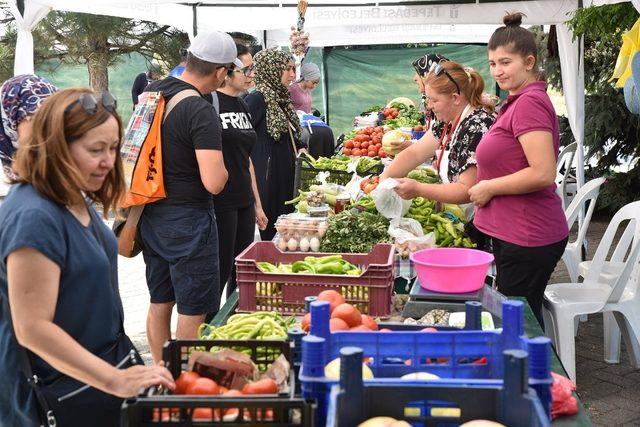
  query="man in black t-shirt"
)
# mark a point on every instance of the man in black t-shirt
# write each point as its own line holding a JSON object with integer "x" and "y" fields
{"x": 179, "y": 233}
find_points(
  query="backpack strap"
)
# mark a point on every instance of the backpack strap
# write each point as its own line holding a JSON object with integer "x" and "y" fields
{"x": 175, "y": 100}
{"x": 215, "y": 101}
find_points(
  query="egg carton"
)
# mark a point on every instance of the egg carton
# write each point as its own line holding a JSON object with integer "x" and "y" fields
{"x": 299, "y": 234}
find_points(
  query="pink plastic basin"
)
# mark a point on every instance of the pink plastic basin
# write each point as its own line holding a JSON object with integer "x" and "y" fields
{"x": 451, "y": 270}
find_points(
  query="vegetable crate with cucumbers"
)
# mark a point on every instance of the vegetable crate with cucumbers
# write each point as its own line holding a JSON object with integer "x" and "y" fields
{"x": 257, "y": 403}
{"x": 277, "y": 289}
{"x": 463, "y": 357}
{"x": 307, "y": 169}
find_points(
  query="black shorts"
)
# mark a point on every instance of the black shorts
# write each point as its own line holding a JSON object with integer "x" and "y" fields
{"x": 181, "y": 255}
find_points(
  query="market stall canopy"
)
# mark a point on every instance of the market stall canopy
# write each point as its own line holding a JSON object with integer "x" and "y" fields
{"x": 373, "y": 20}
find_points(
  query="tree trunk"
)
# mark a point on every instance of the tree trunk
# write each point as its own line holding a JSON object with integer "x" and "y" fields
{"x": 98, "y": 61}
{"x": 98, "y": 75}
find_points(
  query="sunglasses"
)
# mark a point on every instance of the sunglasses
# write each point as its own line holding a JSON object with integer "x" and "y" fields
{"x": 89, "y": 103}
{"x": 246, "y": 70}
{"x": 437, "y": 69}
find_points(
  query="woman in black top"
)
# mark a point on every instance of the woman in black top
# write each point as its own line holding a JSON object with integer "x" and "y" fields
{"x": 277, "y": 127}
{"x": 238, "y": 206}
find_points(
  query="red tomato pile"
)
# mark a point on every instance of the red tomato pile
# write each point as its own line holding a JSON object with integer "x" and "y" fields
{"x": 344, "y": 316}
{"x": 389, "y": 113}
{"x": 367, "y": 142}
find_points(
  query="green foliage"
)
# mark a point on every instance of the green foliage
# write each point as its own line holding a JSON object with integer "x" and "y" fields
{"x": 619, "y": 190}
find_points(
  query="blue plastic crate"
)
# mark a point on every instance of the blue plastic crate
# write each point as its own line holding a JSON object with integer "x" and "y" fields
{"x": 511, "y": 402}
{"x": 457, "y": 357}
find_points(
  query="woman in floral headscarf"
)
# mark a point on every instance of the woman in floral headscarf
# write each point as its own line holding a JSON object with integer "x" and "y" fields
{"x": 20, "y": 97}
{"x": 277, "y": 128}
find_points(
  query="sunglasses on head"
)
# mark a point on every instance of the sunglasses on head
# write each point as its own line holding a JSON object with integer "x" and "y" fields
{"x": 89, "y": 103}
{"x": 437, "y": 69}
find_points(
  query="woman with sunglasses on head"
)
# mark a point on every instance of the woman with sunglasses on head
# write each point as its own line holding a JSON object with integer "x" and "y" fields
{"x": 454, "y": 94}
{"x": 515, "y": 198}
{"x": 278, "y": 129}
{"x": 238, "y": 207}
{"x": 61, "y": 316}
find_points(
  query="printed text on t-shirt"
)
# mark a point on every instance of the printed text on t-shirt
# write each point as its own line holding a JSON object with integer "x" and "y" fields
{"x": 236, "y": 120}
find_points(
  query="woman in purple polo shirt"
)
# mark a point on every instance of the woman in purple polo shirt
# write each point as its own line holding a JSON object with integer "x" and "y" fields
{"x": 515, "y": 199}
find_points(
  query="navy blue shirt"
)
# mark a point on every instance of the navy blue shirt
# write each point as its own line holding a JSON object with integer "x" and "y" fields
{"x": 89, "y": 308}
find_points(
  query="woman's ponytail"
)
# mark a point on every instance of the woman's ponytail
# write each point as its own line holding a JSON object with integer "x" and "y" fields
{"x": 476, "y": 89}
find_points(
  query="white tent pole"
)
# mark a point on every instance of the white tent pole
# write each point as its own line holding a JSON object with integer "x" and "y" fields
{"x": 25, "y": 22}
{"x": 572, "y": 71}
{"x": 636, "y": 4}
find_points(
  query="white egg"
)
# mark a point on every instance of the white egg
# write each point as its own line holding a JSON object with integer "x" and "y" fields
{"x": 282, "y": 244}
{"x": 292, "y": 244}
{"x": 304, "y": 244}
{"x": 314, "y": 244}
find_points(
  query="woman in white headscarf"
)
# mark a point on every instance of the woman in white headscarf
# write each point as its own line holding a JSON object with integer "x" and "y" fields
{"x": 301, "y": 90}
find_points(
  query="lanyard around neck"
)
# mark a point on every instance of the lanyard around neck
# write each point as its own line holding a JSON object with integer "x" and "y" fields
{"x": 448, "y": 133}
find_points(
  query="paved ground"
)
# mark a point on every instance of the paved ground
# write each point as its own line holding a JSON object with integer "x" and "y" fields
{"x": 611, "y": 393}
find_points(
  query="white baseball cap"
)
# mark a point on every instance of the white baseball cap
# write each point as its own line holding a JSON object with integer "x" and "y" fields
{"x": 215, "y": 47}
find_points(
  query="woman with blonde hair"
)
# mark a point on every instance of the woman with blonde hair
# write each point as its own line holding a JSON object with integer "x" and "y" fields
{"x": 62, "y": 340}
{"x": 454, "y": 94}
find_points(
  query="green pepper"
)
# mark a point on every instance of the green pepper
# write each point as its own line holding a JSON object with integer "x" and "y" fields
{"x": 446, "y": 242}
{"x": 451, "y": 230}
{"x": 302, "y": 266}
{"x": 330, "y": 268}
{"x": 457, "y": 242}
{"x": 467, "y": 243}
{"x": 267, "y": 267}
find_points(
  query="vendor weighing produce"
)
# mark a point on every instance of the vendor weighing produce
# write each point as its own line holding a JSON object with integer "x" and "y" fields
{"x": 454, "y": 94}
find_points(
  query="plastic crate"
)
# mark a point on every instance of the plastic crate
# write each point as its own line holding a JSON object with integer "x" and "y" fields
{"x": 511, "y": 403}
{"x": 371, "y": 291}
{"x": 464, "y": 356}
{"x": 161, "y": 409}
{"x": 306, "y": 174}
{"x": 263, "y": 352}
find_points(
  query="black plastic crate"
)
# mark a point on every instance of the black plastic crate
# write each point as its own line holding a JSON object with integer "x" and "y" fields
{"x": 263, "y": 352}
{"x": 173, "y": 411}
{"x": 155, "y": 407}
{"x": 306, "y": 174}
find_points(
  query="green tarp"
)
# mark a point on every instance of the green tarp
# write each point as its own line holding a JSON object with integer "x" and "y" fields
{"x": 359, "y": 78}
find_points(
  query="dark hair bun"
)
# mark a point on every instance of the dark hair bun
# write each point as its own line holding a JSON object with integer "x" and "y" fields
{"x": 513, "y": 19}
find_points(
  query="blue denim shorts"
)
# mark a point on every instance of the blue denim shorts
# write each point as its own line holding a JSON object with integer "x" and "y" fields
{"x": 181, "y": 255}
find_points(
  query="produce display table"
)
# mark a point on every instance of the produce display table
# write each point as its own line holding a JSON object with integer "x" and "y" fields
{"x": 531, "y": 327}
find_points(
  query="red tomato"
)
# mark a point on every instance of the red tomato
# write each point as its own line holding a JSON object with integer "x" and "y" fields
{"x": 360, "y": 328}
{"x": 202, "y": 414}
{"x": 348, "y": 313}
{"x": 374, "y": 148}
{"x": 346, "y": 151}
{"x": 356, "y": 144}
{"x": 369, "y": 322}
{"x": 349, "y": 143}
{"x": 203, "y": 386}
{"x": 263, "y": 386}
{"x": 365, "y": 145}
{"x": 356, "y": 152}
{"x": 379, "y": 129}
{"x": 382, "y": 154}
{"x": 377, "y": 139}
{"x": 371, "y": 154}
{"x": 334, "y": 298}
{"x": 306, "y": 322}
{"x": 394, "y": 114}
{"x": 184, "y": 381}
{"x": 336, "y": 324}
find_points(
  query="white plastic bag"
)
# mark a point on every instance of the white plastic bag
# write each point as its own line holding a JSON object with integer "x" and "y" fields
{"x": 388, "y": 202}
{"x": 409, "y": 237}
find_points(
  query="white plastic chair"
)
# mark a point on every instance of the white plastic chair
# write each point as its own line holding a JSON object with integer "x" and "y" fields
{"x": 565, "y": 161}
{"x": 611, "y": 270}
{"x": 572, "y": 255}
{"x": 564, "y": 301}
